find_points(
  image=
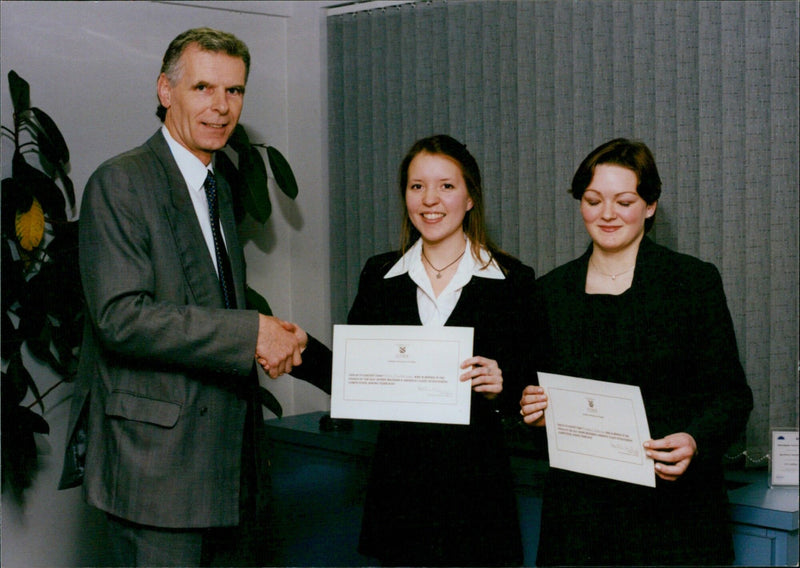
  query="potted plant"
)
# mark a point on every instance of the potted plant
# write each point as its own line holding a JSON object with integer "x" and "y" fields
{"x": 42, "y": 299}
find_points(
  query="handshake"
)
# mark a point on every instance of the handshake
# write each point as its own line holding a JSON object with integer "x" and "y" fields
{"x": 280, "y": 345}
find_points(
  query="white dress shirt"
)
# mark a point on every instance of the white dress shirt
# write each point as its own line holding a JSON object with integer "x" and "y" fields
{"x": 194, "y": 173}
{"x": 435, "y": 310}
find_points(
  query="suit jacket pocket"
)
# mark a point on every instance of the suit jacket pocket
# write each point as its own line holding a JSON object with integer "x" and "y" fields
{"x": 132, "y": 406}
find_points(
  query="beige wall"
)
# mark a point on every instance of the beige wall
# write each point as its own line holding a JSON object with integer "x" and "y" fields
{"x": 92, "y": 66}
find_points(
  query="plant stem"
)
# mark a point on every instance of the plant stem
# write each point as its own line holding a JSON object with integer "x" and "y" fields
{"x": 48, "y": 391}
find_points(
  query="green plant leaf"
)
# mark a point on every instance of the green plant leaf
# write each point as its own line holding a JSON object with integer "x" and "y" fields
{"x": 31, "y": 312}
{"x": 51, "y": 142}
{"x": 68, "y": 362}
{"x": 13, "y": 273}
{"x": 41, "y": 186}
{"x": 268, "y": 399}
{"x": 256, "y": 301}
{"x": 19, "y": 455}
{"x": 239, "y": 140}
{"x": 12, "y": 342}
{"x": 284, "y": 176}
{"x": 69, "y": 188}
{"x": 15, "y": 197}
{"x": 34, "y": 422}
{"x": 40, "y": 349}
{"x": 52, "y": 298}
{"x": 256, "y": 196}
{"x": 225, "y": 168}
{"x": 20, "y": 92}
{"x": 15, "y": 381}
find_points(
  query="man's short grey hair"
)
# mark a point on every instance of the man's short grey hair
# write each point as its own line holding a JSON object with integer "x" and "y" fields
{"x": 207, "y": 39}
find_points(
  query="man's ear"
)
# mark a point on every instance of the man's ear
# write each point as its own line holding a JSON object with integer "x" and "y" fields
{"x": 164, "y": 90}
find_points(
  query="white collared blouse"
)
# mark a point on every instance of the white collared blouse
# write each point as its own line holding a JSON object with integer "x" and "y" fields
{"x": 435, "y": 310}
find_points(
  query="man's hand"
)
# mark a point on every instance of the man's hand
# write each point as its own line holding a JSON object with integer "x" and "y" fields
{"x": 302, "y": 336}
{"x": 279, "y": 345}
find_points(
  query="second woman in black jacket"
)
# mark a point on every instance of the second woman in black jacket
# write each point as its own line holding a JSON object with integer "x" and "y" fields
{"x": 631, "y": 311}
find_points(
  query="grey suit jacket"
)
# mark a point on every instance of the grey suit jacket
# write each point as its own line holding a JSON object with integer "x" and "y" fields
{"x": 164, "y": 366}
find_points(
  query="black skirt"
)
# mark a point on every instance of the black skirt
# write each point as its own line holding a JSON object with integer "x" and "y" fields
{"x": 441, "y": 495}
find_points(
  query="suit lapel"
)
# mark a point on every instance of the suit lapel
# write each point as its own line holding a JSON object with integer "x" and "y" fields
{"x": 198, "y": 268}
{"x": 228, "y": 221}
{"x": 464, "y": 312}
{"x": 401, "y": 300}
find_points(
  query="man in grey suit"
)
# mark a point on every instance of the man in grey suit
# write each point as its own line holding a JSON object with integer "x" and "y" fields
{"x": 167, "y": 386}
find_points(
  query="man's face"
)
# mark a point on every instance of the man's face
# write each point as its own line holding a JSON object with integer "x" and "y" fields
{"x": 204, "y": 104}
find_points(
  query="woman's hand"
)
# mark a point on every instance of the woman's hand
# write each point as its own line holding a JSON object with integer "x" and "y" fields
{"x": 486, "y": 376}
{"x": 672, "y": 454}
{"x": 533, "y": 403}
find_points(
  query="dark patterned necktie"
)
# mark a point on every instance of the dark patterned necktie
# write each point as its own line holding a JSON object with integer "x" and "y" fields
{"x": 223, "y": 262}
{"x": 262, "y": 395}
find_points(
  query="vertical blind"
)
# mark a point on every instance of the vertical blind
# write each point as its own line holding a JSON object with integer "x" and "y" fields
{"x": 533, "y": 86}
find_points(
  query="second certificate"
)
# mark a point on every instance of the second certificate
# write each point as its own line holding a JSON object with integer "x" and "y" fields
{"x": 403, "y": 373}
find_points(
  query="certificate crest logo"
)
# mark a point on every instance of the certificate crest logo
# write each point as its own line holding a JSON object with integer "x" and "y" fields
{"x": 590, "y": 406}
{"x": 402, "y": 348}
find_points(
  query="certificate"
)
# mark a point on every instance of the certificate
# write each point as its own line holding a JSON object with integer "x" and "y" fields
{"x": 597, "y": 428}
{"x": 785, "y": 463}
{"x": 403, "y": 373}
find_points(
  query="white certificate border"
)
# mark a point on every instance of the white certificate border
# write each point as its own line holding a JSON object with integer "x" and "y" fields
{"x": 642, "y": 473}
{"x": 457, "y": 412}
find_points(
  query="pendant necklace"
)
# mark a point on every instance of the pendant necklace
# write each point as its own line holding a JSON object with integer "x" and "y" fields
{"x": 440, "y": 270}
{"x": 612, "y": 276}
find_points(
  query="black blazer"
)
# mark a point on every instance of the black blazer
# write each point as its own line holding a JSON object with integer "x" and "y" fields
{"x": 672, "y": 335}
{"x": 443, "y": 494}
{"x": 503, "y": 313}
